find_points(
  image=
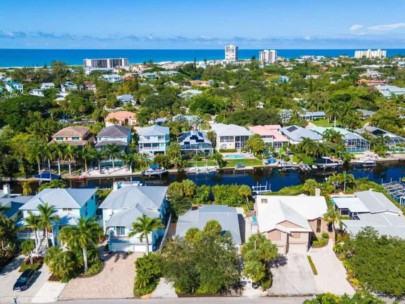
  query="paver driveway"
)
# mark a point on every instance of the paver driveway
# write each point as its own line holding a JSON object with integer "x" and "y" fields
{"x": 116, "y": 280}
{"x": 331, "y": 273}
{"x": 294, "y": 278}
{"x": 10, "y": 274}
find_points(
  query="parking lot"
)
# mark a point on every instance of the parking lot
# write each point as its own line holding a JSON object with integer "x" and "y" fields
{"x": 10, "y": 274}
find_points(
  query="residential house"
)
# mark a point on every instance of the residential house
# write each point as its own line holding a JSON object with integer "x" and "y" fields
{"x": 227, "y": 217}
{"x": 123, "y": 206}
{"x": 68, "y": 86}
{"x": 365, "y": 113}
{"x": 354, "y": 143}
{"x": 126, "y": 99}
{"x": 389, "y": 90}
{"x": 284, "y": 79}
{"x": 230, "y": 136}
{"x": 270, "y": 135}
{"x": 70, "y": 205}
{"x": 195, "y": 142}
{"x": 112, "y": 78}
{"x": 153, "y": 140}
{"x": 88, "y": 85}
{"x": 123, "y": 118}
{"x": 47, "y": 85}
{"x": 12, "y": 202}
{"x": 12, "y": 86}
{"x": 169, "y": 73}
{"x": 371, "y": 209}
{"x": 114, "y": 135}
{"x": 36, "y": 92}
{"x": 291, "y": 222}
{"x": 391, "y": 139}
{"x": 296, "y": 134}
{"x": 308, "y": 115}
{"x": 372, "y": 82}
{"x": 75, "y": 135}
{"x": 188, "y": 94}
{"x": 285, "y": 115}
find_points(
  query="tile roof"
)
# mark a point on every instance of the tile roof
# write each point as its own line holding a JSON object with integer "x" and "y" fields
{"x": 120, "y": 115}
{"x": 78, "y": 131}
{"x": 114, "y": 131}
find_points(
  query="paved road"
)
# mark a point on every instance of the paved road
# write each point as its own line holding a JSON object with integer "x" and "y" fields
{"x": 10, "y": 274}
{"x": 224, "y": 300}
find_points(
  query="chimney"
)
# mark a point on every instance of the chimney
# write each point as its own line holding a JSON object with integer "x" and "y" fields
{"x": 317, "y": 192}
{"x": 6, "y": 190}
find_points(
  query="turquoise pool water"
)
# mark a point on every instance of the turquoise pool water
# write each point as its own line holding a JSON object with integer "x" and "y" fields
{"x": 235, "y": 156}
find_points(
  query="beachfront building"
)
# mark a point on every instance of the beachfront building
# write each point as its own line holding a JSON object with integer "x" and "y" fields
{"x": 122, "y": 118}
{"x": 230, "y": 136}
{"x": 153, "y": 140}
{"x": 290, "y": 222}
{"x": 197, "y": 217}
{"x": 75, "y": 136}
{"x": 114, "y": 135}
{"x": 106, "y": 63}
{"x": 70, "y": 205}
{"x": 268, "y": 56}
{"x": 123, "y": 206}
{"x": 270, "y": 135}
{"x": 195, "y": 142}
{"x": 370, "y": 209}
{"x": 370, "y": 54}
{"x": 14, "y": 87}
{"x": 296, "y": 134}
{"x": 391, "y": 140}
{"x": 354, "y": 143}
{"x": 231, "y": 53}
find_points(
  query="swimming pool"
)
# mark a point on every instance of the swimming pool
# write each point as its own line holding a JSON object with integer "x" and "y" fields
{"x": 235, "y": 156}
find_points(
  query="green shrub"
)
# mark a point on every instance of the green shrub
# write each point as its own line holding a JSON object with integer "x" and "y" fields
{"x": 325, "y": 235}
{"x": 227, "y": 150}
{"x": 37, "y": 263}
{"x": 148, "y": 273}
{"x": 320, "y": 243}
{"x": 311, "y": 263}
{"x": 94, "y": 269}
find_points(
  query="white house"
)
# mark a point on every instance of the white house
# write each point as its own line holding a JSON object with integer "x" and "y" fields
{"x": 153, "y": 140}
{"x": 123, "y": 206}
{"x": 47, "y": 85}
{"x": 112, "y": 78}
{"x": 12, "y": 86}
{"x": 230, "y": 136}
{"x": 36, "y": 92}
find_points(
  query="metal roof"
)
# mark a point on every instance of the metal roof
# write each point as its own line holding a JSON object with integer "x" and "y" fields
{"x": 153, "y": 131}
{"x": 226, "y": 216}
{"x": 230, "y": 130}
{"x": 377, "y": 202}
{"x": 297, "y": 133}
{"x": 353, "y": 204}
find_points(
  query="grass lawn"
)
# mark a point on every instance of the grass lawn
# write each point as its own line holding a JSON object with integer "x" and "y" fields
{"x": 246, "y": 162}
{"x": 322, "y": 123}
{"x": 202, "y": 163}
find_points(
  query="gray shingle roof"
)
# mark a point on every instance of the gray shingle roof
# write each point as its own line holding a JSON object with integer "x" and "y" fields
{"x": 153, "y": 130}
{"x": 60, "y": 198}
{"x": 226, "y": 216}
{"x": 297, "y": 133}
{"x": 114, "y": 131}
{"x": 230, "y": 130}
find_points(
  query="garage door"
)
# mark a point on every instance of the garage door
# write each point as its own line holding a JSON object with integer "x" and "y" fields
{"x": 297, "y": 248}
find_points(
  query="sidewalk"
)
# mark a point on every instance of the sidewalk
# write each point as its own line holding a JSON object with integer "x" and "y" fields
{"x": 49, "y": 292}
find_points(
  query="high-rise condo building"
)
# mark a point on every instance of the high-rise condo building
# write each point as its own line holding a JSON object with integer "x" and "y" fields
{"x": 268, "y": 56}
{"x": 371, "y": 54}
{"x": 231, "y": 52}
{"x": 106, "y": 63}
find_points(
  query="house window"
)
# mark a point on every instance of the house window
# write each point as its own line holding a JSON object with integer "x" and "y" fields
{"x": 318, "y": 225}
{"x": 67, "y": 209}
{"x": 120, "y": 230}
{"x": 59, "y": 138}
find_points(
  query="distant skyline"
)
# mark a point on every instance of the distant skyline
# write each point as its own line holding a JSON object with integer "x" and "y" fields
{"x": 186, "y": 24}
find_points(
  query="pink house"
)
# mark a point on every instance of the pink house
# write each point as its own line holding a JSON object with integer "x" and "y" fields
{"x": 270, "y": 135}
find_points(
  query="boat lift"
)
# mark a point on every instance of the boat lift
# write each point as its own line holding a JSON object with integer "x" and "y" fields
{"x": 260, "y": 189}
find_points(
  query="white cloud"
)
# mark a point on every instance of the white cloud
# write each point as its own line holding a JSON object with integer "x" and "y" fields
{"x": 387, "y": 27}
{"x": 307, "y": 38}
{"x": 355, "y": 27}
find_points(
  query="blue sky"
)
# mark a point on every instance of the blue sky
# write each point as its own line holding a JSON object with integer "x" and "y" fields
{"x": 177, "y": 24}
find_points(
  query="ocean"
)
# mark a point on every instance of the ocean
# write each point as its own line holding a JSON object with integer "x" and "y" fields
{"x": 41, "y": 57}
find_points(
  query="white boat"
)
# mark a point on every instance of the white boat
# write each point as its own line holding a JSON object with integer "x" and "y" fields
{"x": 314, "y": 167}
{"x": 154, "y": 172}
{"x": 326, "y": 162}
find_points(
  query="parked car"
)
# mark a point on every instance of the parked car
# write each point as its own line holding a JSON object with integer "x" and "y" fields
{"x": 25, "y": 280}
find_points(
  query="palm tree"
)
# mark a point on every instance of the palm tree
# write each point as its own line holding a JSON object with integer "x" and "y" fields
{"x": 86, "y": 234}
{"x": 61, "y": 263}
{"x": 26, "y": 188}
{"x": 7, "y": 231}
{"x": 59, "y": 152}
{"x": 27, "y": 248}
{"x": 50, "y": 154}
{"x": 70, "y": 155}
{"x": 128, "y": 158}
{"x": 144, "y": 226}
{"x": 140, "y": 160}
{"x": 86, "y": 154}
{"x": 32, "y": 223}
{"x": 46, "y": 218}
{"x": 112, "y": 150}
{"x": 245, "y": 191}
{"x": 332, "y": 216}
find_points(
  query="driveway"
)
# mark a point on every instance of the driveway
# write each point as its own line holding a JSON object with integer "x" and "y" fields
{"x": 116, "y": 280}
{"x": 293, "y": 277}
{"x": 331, "y": 273}
{"x": 10, "y": 274}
